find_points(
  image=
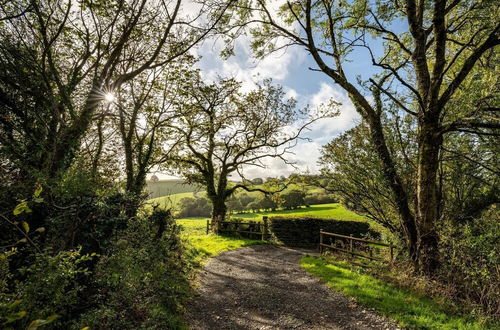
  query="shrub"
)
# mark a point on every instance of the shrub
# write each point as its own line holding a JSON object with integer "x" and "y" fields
{"x": 45, "y": 292}
{"x": 305, "y": 231}
{"x": 315, "y": 199}
{"x": 293, "y": 199}
{"x": 141, "y": 280}
{"x": 194, "y": 207}
{"x": 472, "y": 260}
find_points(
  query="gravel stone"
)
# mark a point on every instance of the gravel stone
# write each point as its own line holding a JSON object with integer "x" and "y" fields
{"x": 264, "y": 287}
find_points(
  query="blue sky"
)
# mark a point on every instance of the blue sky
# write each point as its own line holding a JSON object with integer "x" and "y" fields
{"x": 290, "y": 68}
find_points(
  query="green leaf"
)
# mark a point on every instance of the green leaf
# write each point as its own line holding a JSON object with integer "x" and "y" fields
{"x": 38, "y": 190}
{"x": 37, "y": 323}
{"x": 14, "y": 304}
{"x": 22, "y": 207}
{"x": 26, "y": 226}
{"x": 40, "y": 230}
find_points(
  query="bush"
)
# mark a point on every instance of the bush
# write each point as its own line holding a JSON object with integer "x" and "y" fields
{"x": 293, "y": 199}
{"x": 45, "y": 292}
{"x": 472, "y": 253}
{"x": 305, "y": 231}
{"x": 194, "y": 207}
{"x": 245, "y": 199}
{"x": 141, "y": 280}
{"x": 316, "y": 199}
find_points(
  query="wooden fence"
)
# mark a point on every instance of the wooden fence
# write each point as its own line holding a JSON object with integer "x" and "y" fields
{"x": 251, "y": 228}
{"x": 354, "y": 246}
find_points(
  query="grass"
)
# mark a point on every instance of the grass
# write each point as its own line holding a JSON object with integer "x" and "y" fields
{"x": 169, "y": 187}
{"x": 202, "y": 246}
{"x": 170, "y": 201}
{"x": 408, "y": 309}
{"x": 326, "y": 211}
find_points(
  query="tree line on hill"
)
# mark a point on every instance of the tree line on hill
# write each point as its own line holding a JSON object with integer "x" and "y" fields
{"x": 245, "y": 203}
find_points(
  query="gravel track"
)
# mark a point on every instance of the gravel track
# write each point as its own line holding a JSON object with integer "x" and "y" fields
{"x": 264, "y": 287}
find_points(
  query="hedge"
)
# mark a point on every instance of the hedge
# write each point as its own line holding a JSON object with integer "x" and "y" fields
{"x": 304, "y": 231}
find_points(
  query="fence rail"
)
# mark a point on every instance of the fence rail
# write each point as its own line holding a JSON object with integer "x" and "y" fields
{"x": 368, "y": 245}
{"x": 250, "y": 228}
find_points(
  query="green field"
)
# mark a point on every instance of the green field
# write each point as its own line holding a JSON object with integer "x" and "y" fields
{"x": 169, "y": 187}
{"x": 170, "y": 201}
{"x": 326, "y": 211}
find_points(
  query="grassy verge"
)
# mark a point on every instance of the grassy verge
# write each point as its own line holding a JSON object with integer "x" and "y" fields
{"x": 408, "y": 309}
{"x": 202, "y": 246}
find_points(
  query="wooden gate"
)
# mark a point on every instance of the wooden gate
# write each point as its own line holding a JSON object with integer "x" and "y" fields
{"x": 355, "y": 246}
{"x": 251, "y": 228}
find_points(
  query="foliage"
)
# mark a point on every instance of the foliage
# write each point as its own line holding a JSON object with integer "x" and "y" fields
{"x": 194, "y": 207}
{"x": 319, "y": 198}
{"x": 409, "y": 309}
{"x": 201, "y": 246}
{"x": 220, "y": 130}
{"x": 45, "y": 292}
{"x": 141, "y": 281}
{"x": 257, "y": 181}
{"x": 439, "y": 69}
{"x": 293, "y": 199}
{"x": 347, "y": 163}
{"x": 473, "y": 259}
{"x": 304, "y": 231}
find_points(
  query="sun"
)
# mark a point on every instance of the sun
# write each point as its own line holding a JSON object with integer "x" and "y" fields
{"x": 109, "y": 97}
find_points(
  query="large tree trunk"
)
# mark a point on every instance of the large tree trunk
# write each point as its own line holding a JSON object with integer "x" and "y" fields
{"x": 427, "y": 208}
{"x": 400, "y": 194}
{"x": 219, "y": 209}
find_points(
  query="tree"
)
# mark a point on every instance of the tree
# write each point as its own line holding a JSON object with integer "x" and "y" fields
{"x": 422, "y": 67}
{"x": 60, "y": 60}
{"x": 352, "y": 169}
{"x": 143, "y": 108}
{"x": 293, "y": 199}
{"x": 194, "y": 207}
{"x": 257, "y": 181}
{"x": 266, "y": 203}
{"x": 221, "y": 130}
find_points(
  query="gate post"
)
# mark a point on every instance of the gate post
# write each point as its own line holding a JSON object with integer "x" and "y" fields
{"x": 321, "y": 240}
{"x": 351, "y": 247}
{"x": 265, "y": 231}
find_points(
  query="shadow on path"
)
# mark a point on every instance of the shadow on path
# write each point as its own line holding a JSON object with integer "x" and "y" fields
{"x": 264, "y": 287}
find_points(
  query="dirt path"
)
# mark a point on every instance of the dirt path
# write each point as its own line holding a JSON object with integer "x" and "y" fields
{"x": 263, "y": 287}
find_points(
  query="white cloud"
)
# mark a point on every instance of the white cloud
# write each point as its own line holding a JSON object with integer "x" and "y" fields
{"x": 323, "y": 130}
{"x": 243, "y": 66}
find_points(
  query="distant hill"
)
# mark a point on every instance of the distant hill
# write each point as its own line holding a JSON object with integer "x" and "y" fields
{"x": 169, "y": 187}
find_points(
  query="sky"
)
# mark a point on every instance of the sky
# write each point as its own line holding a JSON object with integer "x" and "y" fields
{"x": 290, "y": 69}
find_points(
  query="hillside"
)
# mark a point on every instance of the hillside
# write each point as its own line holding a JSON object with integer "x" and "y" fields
{"x": 169, "y": 187}
{"x": 326, "y": 211}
